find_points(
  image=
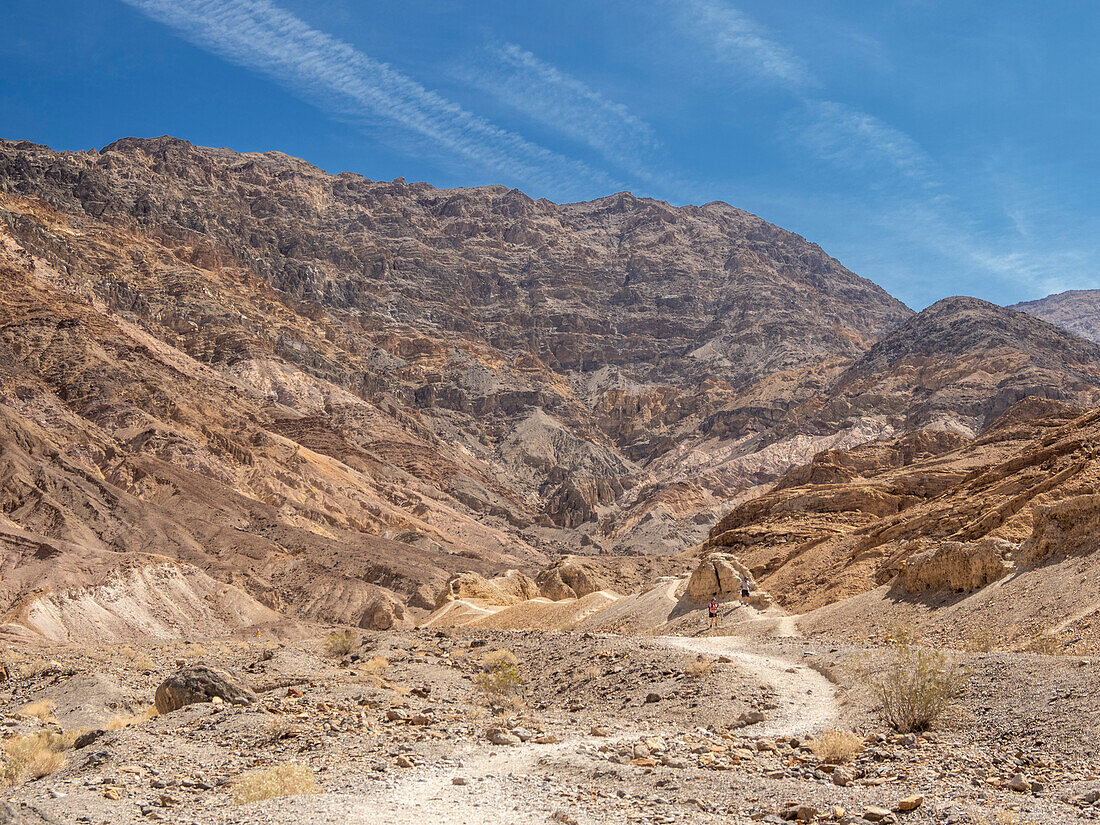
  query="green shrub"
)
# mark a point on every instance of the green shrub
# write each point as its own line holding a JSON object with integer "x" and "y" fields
{"x": 341, "y": 643}
{"x": 500, "y": 676}
{"x": 917, "y": 687}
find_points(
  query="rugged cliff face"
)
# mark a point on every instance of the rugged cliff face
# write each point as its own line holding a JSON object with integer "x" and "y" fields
{"x": 329, "y": 390}
{"x": 1077, "y": 311}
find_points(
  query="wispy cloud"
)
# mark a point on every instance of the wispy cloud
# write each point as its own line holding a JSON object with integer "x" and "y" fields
{"x": 853, "y": 139}
{"x": 367, "y": 94}
{"x": 732, "y": 37}
{"x": 566, "y": 104}
{"x": 549, "y": 95}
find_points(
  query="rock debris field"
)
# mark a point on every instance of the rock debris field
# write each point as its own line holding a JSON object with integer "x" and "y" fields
{"x": 397, "y": 727}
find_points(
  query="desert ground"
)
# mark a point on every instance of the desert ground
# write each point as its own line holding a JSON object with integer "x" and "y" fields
{"x": 749, "y": 722}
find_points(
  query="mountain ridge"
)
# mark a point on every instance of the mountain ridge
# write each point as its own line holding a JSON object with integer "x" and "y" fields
{"x": 470, "y": 378}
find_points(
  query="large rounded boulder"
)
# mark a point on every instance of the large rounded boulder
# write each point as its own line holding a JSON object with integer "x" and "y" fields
{"x": 200, "y": 683}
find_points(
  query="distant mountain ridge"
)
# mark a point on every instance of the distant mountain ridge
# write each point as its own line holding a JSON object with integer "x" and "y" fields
{"x": 1077, "y": 311}
{"x": 334, "y": 392}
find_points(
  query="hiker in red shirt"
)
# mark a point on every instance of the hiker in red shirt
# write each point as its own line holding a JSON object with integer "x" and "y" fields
{"x": 713, "y": 610}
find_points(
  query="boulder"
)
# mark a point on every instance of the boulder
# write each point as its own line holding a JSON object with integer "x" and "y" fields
{"x": 719, "y": 574}
{"x": 200, "y": 683}
{"x": 382, "y": 614}
{"x": 957, "y": 566}
{"x": 1065, "y": 528}
{"x": 571, "y": 578}
{"x": 23, "y": 814}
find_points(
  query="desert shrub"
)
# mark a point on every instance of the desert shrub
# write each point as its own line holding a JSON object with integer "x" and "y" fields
{"x": 279, "y": 728}
{"x": 698, "y": 668}
{"x": 341, "y": 643}
{"x": 836, "y": 746}
{"x": 288, "y": 779}
{"x": 30, "y": 757}
{"x": 917, "y": 687}
{"x": 500, "y": 676}
{"x": 120, "y": 722}
{"x": 41, "y": 710}
{"x": 979, "y": 640}
{"x": 1045, "y": 642}
{"x": 589, "y": 673}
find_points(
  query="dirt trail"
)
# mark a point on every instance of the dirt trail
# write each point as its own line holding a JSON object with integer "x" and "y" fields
{"x": 806, "y": 699}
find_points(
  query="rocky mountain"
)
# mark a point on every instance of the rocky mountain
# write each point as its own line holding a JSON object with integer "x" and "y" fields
{"x": 330, "y": 394}
{"x": 958, "y": 365}
{"x": 1077, "y": 311}
{"x": 926, "y": 520}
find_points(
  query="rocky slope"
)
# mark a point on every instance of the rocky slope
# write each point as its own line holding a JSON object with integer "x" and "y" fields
{"x": 986, "y": 537}
{"x": 1077, "y": 311}
{"x": 331, "y": 394}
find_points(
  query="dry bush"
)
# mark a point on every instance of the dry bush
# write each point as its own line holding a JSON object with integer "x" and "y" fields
{"x": 341, "y": 643}
{"x": 279, "y": 728}
{"x": 194, "y": 650}
{"x": 1045, "y": 642}
{"x": 917, "y": 687}
{"x": 30, "y": 757}
{"x": 979, "y": 640}
{"x": 376, "y": 666}
{"x": 41, "y": 710}
{"x": 120, "y": 722}
{"x": 288, "y": 779}
{"x": 836, "y": 746}
{"x": 500, "y": 676}
{"x": 698, "y": 668}
{"x": 589, "y": 673}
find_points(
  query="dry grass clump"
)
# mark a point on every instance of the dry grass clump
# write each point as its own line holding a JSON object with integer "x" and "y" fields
{"x": 288, "y": 779}
{"x": 836, "y": 746}
{"x": 979, "y": 640}
{"x": 589, "y": 673}
{"x": 120, "y": 722}
{"x": 917, "y": 687}
{"x": 1045, "y": 642}
{"x": 698, "y": 668}
{"x": 500, "y": 676}
{"x": 341, "y": 643}
{"x": 30, "y": 757}
{"x": 41, "y": 710}
{"x": 279, "y": 728}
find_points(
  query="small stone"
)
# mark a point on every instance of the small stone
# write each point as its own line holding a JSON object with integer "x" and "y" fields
{"x": 501, "y": 737}
{"x": 523, "y": 734}
{"x": 404, "y": 762}
{"x": 1019, "y": 783}
{"x": 650, "y": 698}
{"x": 766, "y": 745}
{"x": 395, "y": 715}
{"x": 842, "y": 777}
{"x": 546, "y": 739}
{"x": 750, "y": 717}
{"x": 87, "y": 738}
{"x": 112, "y": 794}
{"x": 460, "y": 780}
{"x": 874, "y": 814}
{"x": 421, "y": 719}
{"x": 910, "y": 803}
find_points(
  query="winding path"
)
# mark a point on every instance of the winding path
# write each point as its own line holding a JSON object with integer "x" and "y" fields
{"x": 806, "y": 699}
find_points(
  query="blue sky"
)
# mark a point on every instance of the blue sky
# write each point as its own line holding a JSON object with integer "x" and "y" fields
{"x": 938, "y": 148}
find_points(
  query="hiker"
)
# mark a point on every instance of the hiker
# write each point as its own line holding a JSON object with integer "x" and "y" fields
{"x": 745, "y": 585}
{"x": 713, "y": 611}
